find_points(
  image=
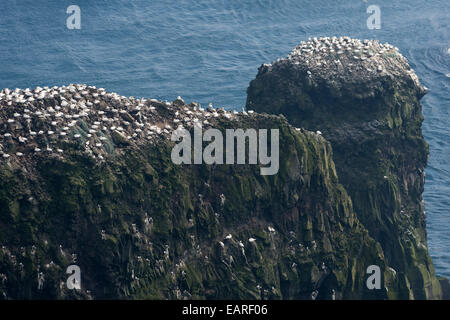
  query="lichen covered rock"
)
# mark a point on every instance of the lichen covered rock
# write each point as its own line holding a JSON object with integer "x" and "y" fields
{"x": 139, "y": 226}
{"x": 364, "y": 98}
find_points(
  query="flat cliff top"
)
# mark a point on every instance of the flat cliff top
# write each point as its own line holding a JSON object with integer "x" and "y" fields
{"x": 345, "y": 59}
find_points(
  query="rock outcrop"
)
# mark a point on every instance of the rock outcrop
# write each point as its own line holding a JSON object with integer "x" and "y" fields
{"x": 87, "y": 180}
{"x": 363, "y": 97}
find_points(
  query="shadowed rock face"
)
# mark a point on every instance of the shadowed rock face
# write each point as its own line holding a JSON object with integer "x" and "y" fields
{"x": 139, "y": 226}
{"x": 364, "y": 99}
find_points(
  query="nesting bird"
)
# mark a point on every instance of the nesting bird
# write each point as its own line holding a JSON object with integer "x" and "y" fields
{"x": 32, "y": 120}
{"x": 328, "y": 57}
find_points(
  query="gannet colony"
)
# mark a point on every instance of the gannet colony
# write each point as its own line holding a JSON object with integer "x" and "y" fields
{"x": 346, "y": 58}
{"x": 45, "y": 120}
{"x": 161, "y": 231}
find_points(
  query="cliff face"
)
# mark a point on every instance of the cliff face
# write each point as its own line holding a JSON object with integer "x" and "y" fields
{"x": 139, "y": 226}
{"x": 364, "y": 98}
{"x": 87, "y": 179}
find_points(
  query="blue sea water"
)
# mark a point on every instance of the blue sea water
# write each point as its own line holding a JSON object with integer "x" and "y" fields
{"x": 209, "y": 50}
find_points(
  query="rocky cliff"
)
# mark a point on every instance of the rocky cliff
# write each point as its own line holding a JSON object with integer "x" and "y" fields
{"x": 87, "y": 179}
{"x": 364, "y": 98}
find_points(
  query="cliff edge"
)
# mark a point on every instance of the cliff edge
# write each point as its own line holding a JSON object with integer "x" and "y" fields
{"x": 364, "y": 98}
{"x": 87, "y": 180}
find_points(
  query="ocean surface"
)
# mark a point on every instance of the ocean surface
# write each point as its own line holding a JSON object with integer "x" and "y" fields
{"x": 209, "y": 50}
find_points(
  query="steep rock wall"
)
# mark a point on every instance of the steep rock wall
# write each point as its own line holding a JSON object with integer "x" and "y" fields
{"x": 111, "y": 201}
{"x": 365, "y": 99}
